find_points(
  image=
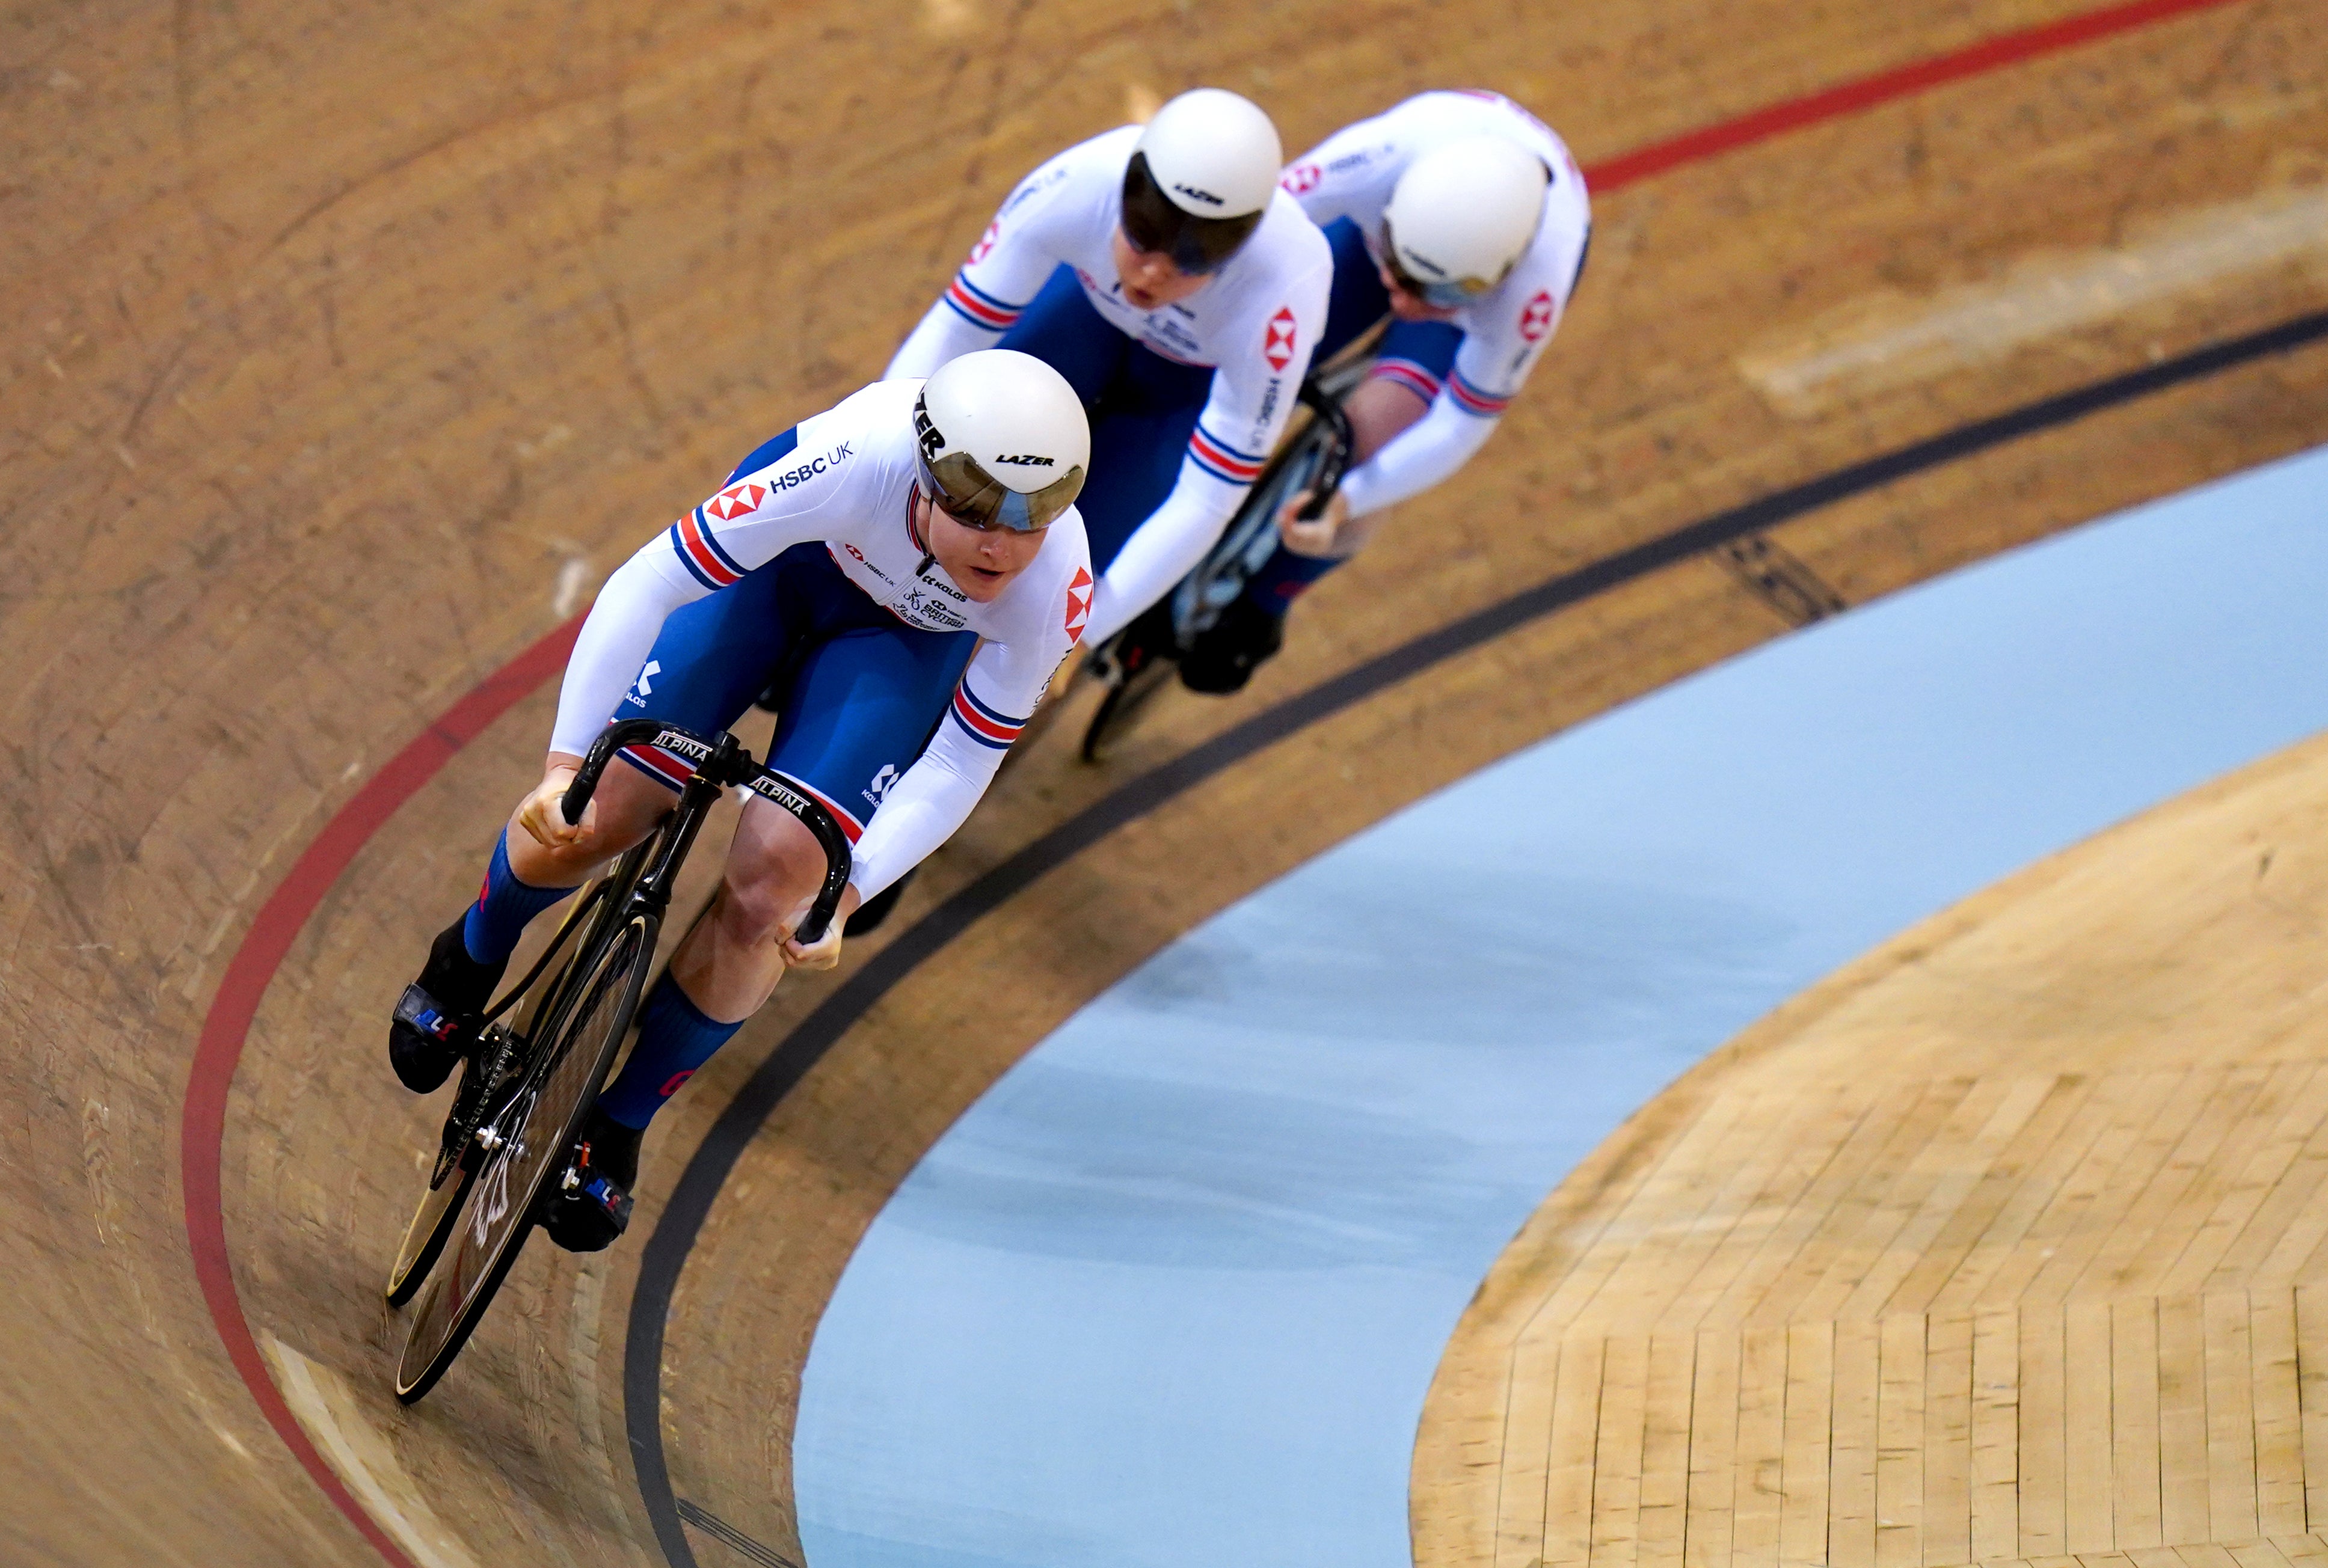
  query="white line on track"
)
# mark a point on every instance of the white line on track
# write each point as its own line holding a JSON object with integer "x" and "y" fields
{"x": 334, "y": 1416}
{"x": 1887, "y": 340}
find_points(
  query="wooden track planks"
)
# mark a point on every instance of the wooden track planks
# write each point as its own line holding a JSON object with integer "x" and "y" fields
{"x": 2083, "y": 1304}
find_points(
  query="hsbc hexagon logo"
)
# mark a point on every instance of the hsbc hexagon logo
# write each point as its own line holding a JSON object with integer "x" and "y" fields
{"x": 736, "y": 501}
{"x": 1277, "y": 341}
{"x": 1301, "y": 179}
{"x": 985, "y": 246}
{"x": 1079, "y": 598}
{"x": 1536, "y": 316}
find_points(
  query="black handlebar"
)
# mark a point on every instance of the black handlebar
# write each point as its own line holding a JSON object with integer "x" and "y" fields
{"x": 1334, "y": 460}
{"x": 720, "y": 762}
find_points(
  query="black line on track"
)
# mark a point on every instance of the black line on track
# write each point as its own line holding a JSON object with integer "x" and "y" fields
{"x": 708, "y": 1169}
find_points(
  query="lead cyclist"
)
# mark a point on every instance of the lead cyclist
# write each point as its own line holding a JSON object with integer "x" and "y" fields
{"x": 852, "y": 564}
{"x": 1464, "y": 220}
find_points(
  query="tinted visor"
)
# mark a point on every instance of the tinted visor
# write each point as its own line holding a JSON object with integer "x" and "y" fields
{"x": 1154, "y": 222}
{"x": 971, "y": 496}
{"x": 1446, "y": 294}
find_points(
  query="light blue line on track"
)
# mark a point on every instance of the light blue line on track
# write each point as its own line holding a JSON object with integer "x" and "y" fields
{"x": 1171, "y": 1293}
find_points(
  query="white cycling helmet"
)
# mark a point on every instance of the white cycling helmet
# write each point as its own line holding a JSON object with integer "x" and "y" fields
{"x": 1003, "y": 439}
{"x": 1200, "y": 178}
{"x": 1461, "y": 216}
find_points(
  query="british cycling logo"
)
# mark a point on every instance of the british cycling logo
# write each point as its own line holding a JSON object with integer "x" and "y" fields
{"x": 916, "y": 603}
{"x": 878, "y": 790}
{"x": 1277, "y": 339}
{"x": 1535, "y": 316}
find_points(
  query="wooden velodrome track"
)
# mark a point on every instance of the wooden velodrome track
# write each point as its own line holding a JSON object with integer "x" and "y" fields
{"x": 350, "y": 345}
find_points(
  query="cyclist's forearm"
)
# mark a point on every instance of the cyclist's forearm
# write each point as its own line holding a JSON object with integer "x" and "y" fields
{"x": 942, "y": 335}
{"x": 922, "y": 810}
{"x": 1162, "y": 550}
{"x": 622, "y": 627}
{"x": 1426, "y": 454}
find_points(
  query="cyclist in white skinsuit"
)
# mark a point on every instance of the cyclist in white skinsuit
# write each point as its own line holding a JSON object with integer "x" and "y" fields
{"x": 1465, "y": 218}
{"x": 1181, "y": 293}
{"x": 854, "y": 562}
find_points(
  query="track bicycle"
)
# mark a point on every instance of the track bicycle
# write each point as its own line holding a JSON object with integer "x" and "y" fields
{"x": 509, "y": 1147}
{"x": 1137, "y": 662}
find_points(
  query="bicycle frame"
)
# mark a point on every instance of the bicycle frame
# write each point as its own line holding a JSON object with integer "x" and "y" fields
{"x": 720, "y": 763}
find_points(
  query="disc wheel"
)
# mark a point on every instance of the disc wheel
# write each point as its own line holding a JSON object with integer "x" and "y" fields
{"x": 525, "y": 1149}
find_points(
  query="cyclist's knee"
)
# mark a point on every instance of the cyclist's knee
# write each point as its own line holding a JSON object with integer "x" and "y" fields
{"x": 773, "y": 865}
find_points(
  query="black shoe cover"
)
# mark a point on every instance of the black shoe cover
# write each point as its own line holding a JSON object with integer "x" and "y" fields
{"x": 436, "y": 1021}
{"x": 1241, "y": 640}
{"x": 588, "y": 1216}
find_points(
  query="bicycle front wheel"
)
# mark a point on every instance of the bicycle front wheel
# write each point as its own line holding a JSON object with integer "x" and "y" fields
{"x": 528, "y": 1146}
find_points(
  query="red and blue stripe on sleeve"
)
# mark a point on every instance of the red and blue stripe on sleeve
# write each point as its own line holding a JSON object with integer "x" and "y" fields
{"x": 1473, "y": 401}
{"x": 1223, "y": 462}
{"x": 700, "y": 553}
{"x": 979, "y": 308}
{"x": 987, "y": 726}
{"x": 1418, "y": 379}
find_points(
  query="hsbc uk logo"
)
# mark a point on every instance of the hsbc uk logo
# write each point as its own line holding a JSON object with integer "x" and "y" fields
{"x": 1301, "y": 179}
{"x": 1277, "y": 339}
{"x": 1536, "y": 316}
{"x": 1079, "y": 598}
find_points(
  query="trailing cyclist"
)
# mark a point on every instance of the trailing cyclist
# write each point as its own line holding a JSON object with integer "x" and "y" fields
{"x": 1463, "y": 218}
{"x": 1162, "y": 271}
{"x": 911, "y": 557}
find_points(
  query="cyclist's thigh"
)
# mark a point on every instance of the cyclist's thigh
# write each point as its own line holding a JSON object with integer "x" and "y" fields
{"x": 1358, "y": 300}
{"x": 1060, "y": 327}
{"x": 713, "y": 657}
{"x": 858, "y": 709}
{"x": 1418, "y": 355}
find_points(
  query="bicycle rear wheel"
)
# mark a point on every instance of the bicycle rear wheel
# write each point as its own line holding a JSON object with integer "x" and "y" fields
{"x": 526, "y": 1148}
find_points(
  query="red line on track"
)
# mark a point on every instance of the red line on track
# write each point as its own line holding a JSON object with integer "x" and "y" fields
{"x": 203, "y": 1125}
{"x": 1884, "y": 86}
{"x": 210, "y": 1077}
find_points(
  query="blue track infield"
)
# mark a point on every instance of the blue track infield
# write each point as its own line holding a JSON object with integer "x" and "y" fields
{"x": 1172, "y": 1293}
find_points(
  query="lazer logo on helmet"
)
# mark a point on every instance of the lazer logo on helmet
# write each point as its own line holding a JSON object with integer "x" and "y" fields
{"x": 1028, "y": 461}
{"x": 1200, "y": 195}
{"x": 932, "y": 441}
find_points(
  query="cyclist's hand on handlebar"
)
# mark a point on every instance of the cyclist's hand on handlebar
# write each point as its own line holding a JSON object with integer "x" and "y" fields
{"x": 824, "y": 953}
{"x": 543, "y": 817}
{"x": 1318, "y": 536}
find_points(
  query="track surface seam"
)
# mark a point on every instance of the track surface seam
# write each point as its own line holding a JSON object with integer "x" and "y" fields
{"x": 279, "y": 920}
